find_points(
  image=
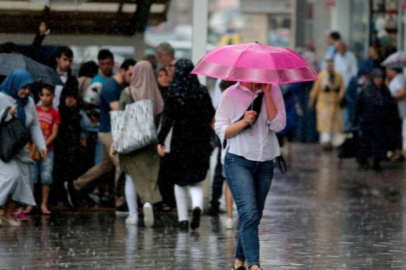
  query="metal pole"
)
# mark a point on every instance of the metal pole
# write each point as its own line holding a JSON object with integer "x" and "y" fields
{"x": 200, "y": 22}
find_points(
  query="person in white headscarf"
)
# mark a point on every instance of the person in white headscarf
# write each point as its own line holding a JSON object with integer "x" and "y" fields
{"x": 141, "y": 167}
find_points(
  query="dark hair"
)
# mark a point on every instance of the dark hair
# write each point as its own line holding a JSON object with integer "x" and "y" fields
{"x": 48, "y": 87}
{"x": 226, "y": 84}
{"x": 105, "y": 54}
{"x": 64, "y": 51}
{"x": 398, "y": 70}
{"x": 9, "y": 47}
{"x": 88, "y": 69}
{"x": 335, "y": 36}
{"x": 127, "y": 64}
{"x": 164, "y": 70}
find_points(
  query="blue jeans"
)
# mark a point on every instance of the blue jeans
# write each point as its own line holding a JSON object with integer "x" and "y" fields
{"x": 249, "y": 182}
{"x": 44, "y": 168}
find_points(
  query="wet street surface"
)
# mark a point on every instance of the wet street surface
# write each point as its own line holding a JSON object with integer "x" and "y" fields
{"x": 320, "y": 215}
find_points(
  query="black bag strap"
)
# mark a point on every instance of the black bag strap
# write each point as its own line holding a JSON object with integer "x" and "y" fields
{"x": 256, "y": 106}
{"x": 4, "y": 116}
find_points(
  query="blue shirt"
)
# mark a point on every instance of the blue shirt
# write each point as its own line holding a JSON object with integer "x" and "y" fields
{"x": 99, "y": 78}
{"x": 110, "y": 92}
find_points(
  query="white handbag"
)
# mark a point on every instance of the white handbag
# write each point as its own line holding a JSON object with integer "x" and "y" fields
{"x": 134, "y": 128}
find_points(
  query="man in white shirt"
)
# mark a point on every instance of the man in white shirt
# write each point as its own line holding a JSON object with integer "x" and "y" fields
{"x": 345, "y": 62}
{"x": 397, "y": 87}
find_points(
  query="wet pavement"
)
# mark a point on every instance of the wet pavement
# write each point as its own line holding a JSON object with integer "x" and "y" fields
{"x": 320, "y": 215}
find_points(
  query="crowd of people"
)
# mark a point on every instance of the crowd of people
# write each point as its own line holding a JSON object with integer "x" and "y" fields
{"x": 72, "y": 151}
{"x": 363, "y": 102}
{"x": 73, "y": 158}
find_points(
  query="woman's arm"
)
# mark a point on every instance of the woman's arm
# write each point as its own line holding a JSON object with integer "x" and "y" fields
{"x": 275, "y": 107}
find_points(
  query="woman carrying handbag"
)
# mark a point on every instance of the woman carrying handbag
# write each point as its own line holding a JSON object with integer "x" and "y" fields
{"x": 139, "y": 102}
{"x": 16, "y": 173}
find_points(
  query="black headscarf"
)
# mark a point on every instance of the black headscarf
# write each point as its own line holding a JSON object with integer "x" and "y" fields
{"x": 184, "y": 86}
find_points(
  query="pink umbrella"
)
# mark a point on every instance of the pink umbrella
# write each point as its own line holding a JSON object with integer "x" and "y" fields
{"x": 256, "y": 63}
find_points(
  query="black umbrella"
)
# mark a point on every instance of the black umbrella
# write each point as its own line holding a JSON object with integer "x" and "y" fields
{"x": 40, "y": 72}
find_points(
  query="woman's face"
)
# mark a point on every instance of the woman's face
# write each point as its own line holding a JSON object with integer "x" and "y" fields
{"x": 163, "y": 79}
{"x": 378, "y": 81}
{"x": 24, "y": 92}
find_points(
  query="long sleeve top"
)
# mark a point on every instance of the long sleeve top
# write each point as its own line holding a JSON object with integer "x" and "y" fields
{"x": 346, "y": 65}
{"x": 259, "y": 142}
{"x": 31, "y": 123}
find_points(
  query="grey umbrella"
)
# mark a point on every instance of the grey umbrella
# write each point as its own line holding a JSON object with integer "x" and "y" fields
{"x": 40, "y": 72}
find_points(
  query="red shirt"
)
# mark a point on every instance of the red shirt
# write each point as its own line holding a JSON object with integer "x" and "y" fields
{"x": 47, "y": 118}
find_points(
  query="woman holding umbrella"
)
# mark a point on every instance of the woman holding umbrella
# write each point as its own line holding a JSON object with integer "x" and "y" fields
{"x": 248, "y": 116}
{"x": 16, "y": 176}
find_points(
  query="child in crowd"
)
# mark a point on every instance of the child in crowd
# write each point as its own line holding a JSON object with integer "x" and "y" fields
{"x": 49, "y": 120}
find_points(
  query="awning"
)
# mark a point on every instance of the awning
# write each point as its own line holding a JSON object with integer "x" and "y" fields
{"x": 110, "y": 17}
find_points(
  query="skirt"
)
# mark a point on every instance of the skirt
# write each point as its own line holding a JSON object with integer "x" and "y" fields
{"x": 16, "y": 180}
{"x": 143, "y": 167}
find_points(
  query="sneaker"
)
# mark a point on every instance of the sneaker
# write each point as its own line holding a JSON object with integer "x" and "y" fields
{"x": 132, "y": 220}
{"x": 122, "y": 210}
{"x": 95, "y": 196}
{"x": 71, "y": 193}
{"x": 229, "y": 224}
{"x": 195, "y": 224}
{"x": 148, "y": 215}
{"x": 19, "y": 215}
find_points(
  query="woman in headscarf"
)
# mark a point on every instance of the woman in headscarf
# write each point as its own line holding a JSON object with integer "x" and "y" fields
{"x": 328, "y": 92}
{"x": 141, "y": 167}
{"x": 16, "y": 176}
{"x": 190, "y": 112}
{"x": 375, "y": 113}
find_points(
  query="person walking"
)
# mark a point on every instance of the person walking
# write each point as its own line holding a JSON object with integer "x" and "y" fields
{"x": 189, "y": 111}
{"x": 109, "y": 98}
{"x": 374, "y": 115}
{"x": 328, "y": 92}
{"x": 16, "y": 175}
{"x": 249, "y": 128}
{"x": 141, "y": 166}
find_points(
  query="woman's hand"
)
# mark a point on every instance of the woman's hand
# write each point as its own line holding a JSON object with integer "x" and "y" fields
{"x": 249, "y": 117}
{"x": 13, "y": 110}
{"x": 161, "y": 150}
{"x": 43, "y": 153}
{"x": 267, "y": 89}
{"x": 113, "y": 151}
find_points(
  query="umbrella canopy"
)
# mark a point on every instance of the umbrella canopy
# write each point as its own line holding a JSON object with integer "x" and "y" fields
{"x": 40, "y": 72}
{"x": 256, "y": 63}
{"x": 396, "y": 60}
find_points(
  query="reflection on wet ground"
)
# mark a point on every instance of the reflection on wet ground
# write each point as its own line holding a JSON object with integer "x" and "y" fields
{"x": 321, "y": 215}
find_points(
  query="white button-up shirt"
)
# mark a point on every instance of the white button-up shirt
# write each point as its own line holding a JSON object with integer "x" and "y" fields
{"x": 259, "y": 142}
{"x": 346, "y": 65}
